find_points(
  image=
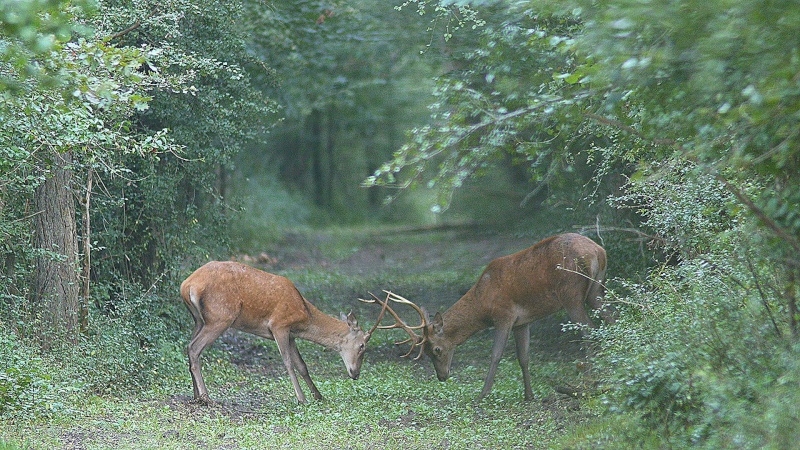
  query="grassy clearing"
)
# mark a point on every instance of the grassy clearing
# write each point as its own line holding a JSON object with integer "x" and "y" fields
{"x": 393, "y": 405}
{"x": 397, "y": 403}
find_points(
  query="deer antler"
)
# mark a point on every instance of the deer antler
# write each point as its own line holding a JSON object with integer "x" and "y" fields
{"x": 380, "y": 316}
{"x": 413, "y": 338}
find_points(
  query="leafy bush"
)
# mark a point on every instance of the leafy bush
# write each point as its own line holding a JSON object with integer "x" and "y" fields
{"x": 701, "y": 347}
{"x": 700, "y": 355}
{"x": 687, "y": 210}
{"x": 136, "y": 347}
{"x": 27, "y": 388}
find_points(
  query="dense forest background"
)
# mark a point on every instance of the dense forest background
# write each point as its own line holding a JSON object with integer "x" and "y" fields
{"x": 141, "y": 138}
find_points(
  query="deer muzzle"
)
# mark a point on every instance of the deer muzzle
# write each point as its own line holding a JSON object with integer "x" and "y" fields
{"x": 354, "y": 373}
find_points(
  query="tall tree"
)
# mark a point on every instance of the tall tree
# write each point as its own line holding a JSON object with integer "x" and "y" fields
{"x": 81, "y": 115}
{"x": 56, "y": 280}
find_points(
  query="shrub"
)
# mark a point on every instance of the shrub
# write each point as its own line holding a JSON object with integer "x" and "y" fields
{"x": 136, "y": 347}
{"x": 700, "y": 359}
{"x": 27, "y": 388}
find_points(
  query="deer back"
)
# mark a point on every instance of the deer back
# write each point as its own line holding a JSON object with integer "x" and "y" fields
{"x": 248, "y": 298}
{"x": 537, "y": 281}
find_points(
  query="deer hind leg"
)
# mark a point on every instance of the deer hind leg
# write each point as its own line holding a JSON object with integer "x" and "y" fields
{"x": 500, "y": 339}
{"x": 577, "y": 313}
{"x": 522, "y": 341}
{"x": 196, "y": 315}
{"x": 204, "y": 335}
{"x": 287, "y": 347}
{"x": 301, "y": 367}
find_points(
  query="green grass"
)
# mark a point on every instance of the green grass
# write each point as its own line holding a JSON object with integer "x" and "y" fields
{"x": 391, "y": 406}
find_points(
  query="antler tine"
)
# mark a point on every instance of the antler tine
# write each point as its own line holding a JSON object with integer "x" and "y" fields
{"x": 399, "y": 323}
{"x": 380, "y": 316}
{"x": 398, "y": 299}
{"x": 413, "y": 346}
{"x": 414, "y": 339}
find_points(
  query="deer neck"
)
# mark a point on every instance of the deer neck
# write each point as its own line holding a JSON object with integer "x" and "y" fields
{"x": 463, "y": 319}
{"x": 322, "y": 329}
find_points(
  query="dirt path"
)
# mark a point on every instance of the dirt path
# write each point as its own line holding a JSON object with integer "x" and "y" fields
{"x": 434, "y": 266}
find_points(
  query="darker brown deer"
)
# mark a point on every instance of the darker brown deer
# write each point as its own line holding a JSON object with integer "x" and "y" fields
{"x": 222, "y": 295}
{"x": 562, "y": 272}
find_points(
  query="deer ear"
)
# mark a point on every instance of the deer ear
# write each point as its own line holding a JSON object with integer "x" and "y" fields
{"x": 351, "y": 320}
{"x": 438, "y": 325}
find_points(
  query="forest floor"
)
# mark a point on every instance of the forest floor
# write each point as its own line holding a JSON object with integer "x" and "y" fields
{"x": 396, "y": 403}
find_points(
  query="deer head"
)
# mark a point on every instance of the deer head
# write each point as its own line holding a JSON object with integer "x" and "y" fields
{"x": 439, "y": 349}
{"x": 353, "y": 346}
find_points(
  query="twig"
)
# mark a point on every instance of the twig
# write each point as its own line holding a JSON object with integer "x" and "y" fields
{"x": 87, "y": 254}
{"x": 155, "y": 283}
{"x": 135, "y": 25}
{"x": 641, "y": 234}
{"x": 616, "y": 298}
{"x": 630, "y": 130}
{"x": 760, "y": 214}
{"x": 763, "y": 296}
{"x": 597, "y": 230}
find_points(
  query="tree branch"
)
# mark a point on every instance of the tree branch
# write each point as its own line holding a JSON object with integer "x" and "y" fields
{"x": 630, "y": 130}
{"x": 759, "y": 213}
{"x": 135, "y": 25}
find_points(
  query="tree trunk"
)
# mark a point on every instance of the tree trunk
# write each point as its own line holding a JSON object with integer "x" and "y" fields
{"x": 56, "y": 283}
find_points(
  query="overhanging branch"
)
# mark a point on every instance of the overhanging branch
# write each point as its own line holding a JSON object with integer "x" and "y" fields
{"x": 135, "y": 25}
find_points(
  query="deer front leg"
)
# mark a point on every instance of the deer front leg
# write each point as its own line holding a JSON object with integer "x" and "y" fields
{"x": 301, "y": 367}
{"x": 522, "y": 340}
{"x": 285, "y": 344}
{"x": 500, "y": 338}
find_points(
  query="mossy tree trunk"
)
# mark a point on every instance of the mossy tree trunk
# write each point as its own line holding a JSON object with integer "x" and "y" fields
{"x": 56, "y": 283}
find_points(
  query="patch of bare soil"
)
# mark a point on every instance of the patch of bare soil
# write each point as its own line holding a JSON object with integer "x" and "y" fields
{"x": 252, "y": 354}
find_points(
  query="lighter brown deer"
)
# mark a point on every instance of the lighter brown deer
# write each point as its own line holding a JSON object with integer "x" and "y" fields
{"x": 222, "y": 295}
{"x": 563, "y": 272}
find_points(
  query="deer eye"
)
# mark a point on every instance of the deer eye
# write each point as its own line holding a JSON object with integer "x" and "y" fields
{"x": 361, "y": 347}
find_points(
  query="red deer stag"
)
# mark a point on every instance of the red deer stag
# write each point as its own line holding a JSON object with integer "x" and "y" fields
{"x": 222, "y": 295}
{"x": 560, "y": 272}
